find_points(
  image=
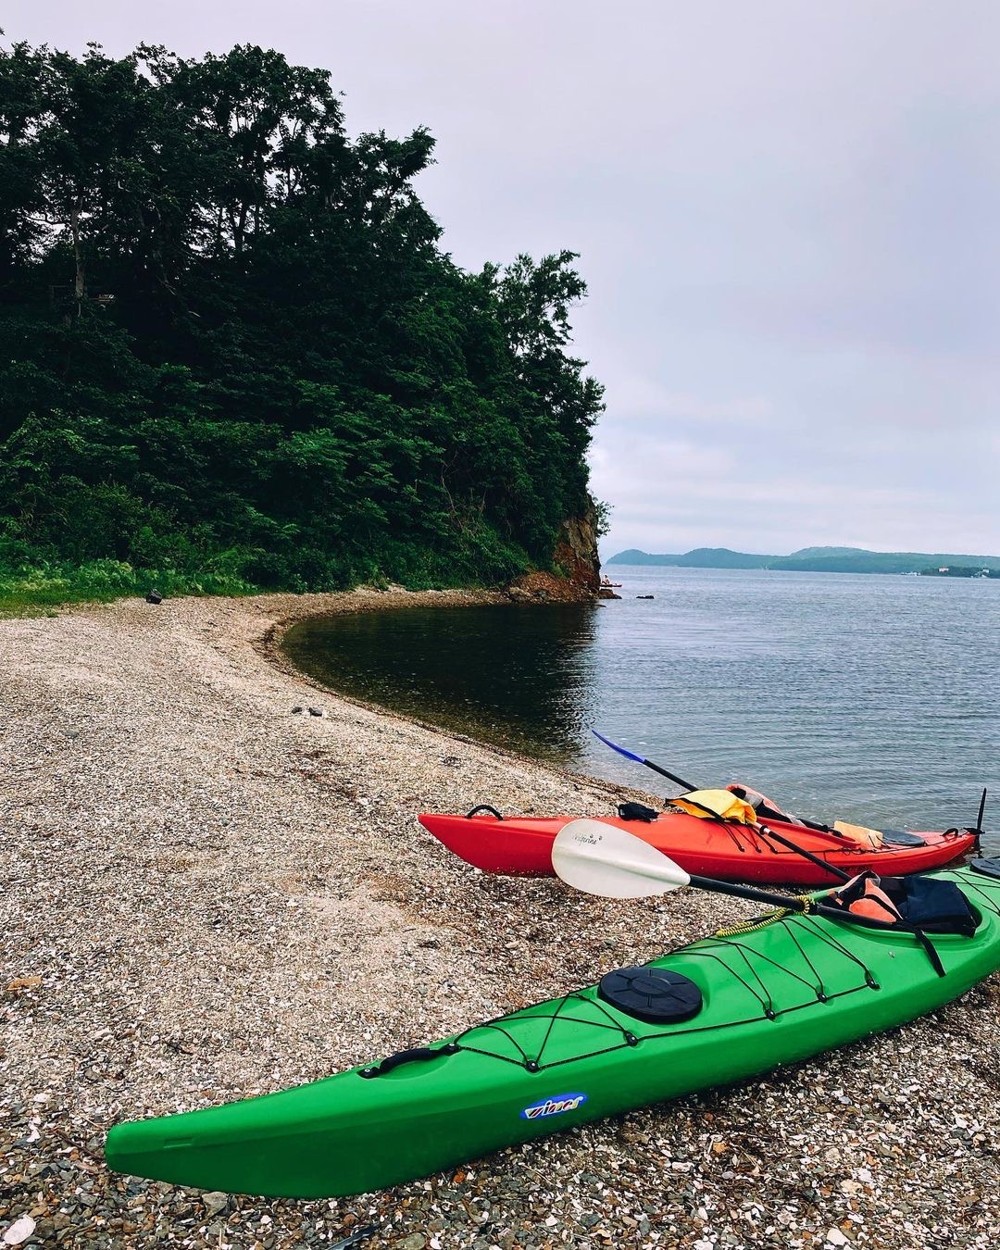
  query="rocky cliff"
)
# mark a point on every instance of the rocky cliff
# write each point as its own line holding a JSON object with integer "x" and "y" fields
{"x": 576, "y": 564}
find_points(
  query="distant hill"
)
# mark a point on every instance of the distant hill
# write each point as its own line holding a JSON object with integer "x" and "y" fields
{"x": 819, "y": 560}
{"x": 826, "y": 553}
{"x": 700, "y": 558}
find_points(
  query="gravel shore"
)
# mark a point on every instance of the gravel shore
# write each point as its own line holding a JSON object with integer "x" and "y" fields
{"x": 209, "y": 895}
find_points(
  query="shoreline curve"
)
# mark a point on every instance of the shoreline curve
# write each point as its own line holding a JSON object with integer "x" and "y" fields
{"x": 207, "y": 896}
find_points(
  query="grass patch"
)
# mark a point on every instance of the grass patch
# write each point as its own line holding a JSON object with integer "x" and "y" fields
{"x": 38, "y": 590}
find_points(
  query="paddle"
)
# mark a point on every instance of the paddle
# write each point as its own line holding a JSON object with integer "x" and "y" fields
{"x": 801, "y": 850}
{"x": 766, "y": 829}
{"x": 602, "y": 859}
{"x": 638, "y": 759}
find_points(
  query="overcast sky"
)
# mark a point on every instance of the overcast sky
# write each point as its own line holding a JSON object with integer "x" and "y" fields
{"x": 787, "y": 214}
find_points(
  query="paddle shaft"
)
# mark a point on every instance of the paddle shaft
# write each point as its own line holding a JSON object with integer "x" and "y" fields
{"x": 747, "y": 891}
{"x": 631, "y": 755}
{"x": 605, "y": 859}
{"x": 669, "y": 776}
{"x": 799, "y": 850}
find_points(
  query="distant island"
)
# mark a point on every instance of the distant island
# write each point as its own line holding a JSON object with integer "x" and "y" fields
{"x": 824, "y": 560}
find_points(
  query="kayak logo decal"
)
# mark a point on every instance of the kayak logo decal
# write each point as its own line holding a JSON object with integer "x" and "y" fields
{"x": 553, "y": 1106}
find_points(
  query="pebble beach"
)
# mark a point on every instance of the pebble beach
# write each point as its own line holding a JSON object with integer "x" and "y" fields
{"x": 214, "y": 886}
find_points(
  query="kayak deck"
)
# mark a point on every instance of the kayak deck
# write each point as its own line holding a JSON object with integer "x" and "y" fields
{"x": 522, "y": 846}
{"x": 788, "y": 988}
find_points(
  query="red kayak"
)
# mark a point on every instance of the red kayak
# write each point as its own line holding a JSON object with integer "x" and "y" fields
{"x": 728, "y": 851}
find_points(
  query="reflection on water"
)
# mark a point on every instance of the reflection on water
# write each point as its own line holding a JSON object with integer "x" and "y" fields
{"x": 516, "y": 675}
{"x": 874, "y": 699}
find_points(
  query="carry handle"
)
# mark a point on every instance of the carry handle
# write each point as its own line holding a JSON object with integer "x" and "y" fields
{"x": 417, "y": 1054}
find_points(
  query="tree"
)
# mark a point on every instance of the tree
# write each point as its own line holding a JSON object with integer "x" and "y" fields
{"x": 232, "y": 329}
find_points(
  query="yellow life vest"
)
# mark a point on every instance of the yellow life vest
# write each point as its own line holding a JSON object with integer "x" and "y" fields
{"x": 716, "y": 803}
{"x": 859, "y": 834}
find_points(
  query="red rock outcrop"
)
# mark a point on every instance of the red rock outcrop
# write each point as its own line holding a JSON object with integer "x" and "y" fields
{"x": 577, "y": 575}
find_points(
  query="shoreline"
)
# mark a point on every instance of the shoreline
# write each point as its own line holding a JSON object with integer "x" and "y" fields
{"x": 207, "y": 896}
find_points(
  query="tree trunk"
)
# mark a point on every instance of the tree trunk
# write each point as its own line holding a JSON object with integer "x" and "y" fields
{"x": 79, "y": 279}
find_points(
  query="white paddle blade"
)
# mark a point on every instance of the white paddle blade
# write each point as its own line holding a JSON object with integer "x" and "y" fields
{"x": 602, "y": 859}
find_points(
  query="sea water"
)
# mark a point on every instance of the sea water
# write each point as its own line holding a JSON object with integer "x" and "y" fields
{"x": 869, "y": 698}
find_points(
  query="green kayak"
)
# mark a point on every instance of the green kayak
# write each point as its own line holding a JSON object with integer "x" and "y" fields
{"x": 720, "y": 1010}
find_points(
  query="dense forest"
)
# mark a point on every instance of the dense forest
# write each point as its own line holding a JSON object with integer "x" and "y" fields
{"x": 233, "y": 348}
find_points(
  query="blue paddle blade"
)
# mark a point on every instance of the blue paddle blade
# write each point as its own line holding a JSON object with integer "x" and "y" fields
{"x": 629, "y": 755}
{"x": 639, "y": 759}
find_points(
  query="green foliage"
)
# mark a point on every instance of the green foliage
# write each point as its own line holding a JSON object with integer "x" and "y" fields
{"x": 233, "y": 353}
{"x": 28, "y": 589}
{"x": 602, "y": 517}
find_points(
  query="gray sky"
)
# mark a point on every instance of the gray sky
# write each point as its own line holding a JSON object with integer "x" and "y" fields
{"x": 787, "y": 214}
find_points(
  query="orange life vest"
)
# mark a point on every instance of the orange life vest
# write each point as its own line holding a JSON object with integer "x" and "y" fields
{"x": 863, "y": 896}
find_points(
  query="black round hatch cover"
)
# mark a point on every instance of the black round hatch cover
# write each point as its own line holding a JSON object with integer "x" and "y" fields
{"x": 902, "y": 837}
{"x": 655, "y": 995}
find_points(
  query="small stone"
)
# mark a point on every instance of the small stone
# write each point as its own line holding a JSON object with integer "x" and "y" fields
{"x": 835, "y": 1237}
{"x": 316, "y": 711}
{"x": 24, "y": 983}
{"x": 19, "y": 1231}
{"x": 215, "y": 1201}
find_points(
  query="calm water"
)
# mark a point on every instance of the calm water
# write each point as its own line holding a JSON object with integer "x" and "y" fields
{"x": 870, "y": 698}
